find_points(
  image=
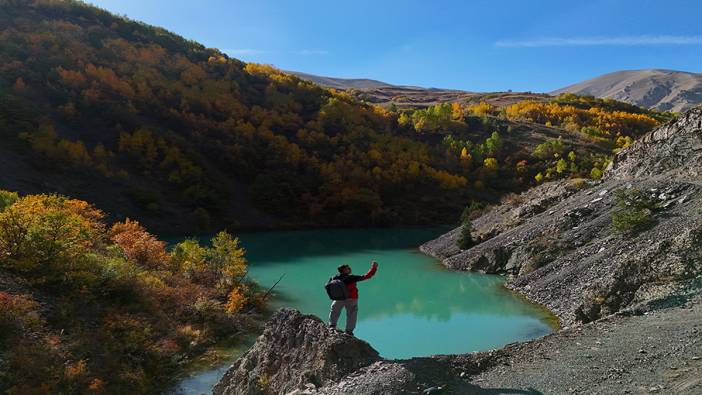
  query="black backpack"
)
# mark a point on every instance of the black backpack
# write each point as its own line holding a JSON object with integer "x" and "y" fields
{"x": 336, "y": 289}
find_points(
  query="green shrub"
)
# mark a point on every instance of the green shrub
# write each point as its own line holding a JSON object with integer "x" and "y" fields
{"x": 471, "y": 211}
{"x": 7, "y": 198}
{"x": 595, "y": 173}
{"x": 635, "y": 213}
{"x": 465, "y": 239}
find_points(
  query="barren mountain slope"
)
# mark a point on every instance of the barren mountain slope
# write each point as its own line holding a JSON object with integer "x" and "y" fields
{"x": 665, "y": 90}
{"x": 341, "y": 83}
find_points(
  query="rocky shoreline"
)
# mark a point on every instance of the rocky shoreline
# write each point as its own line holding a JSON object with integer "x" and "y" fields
{"x": 629, "y": 302}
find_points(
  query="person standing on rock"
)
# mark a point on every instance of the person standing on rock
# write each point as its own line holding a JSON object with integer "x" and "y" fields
{"x": 350, "y": 303}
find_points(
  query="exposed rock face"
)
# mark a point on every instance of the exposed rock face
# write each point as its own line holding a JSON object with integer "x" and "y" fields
{"x": 295, "y": 350}
{"x": 674, "y": 149}
{"x": 513, "y": 212}
{"x": 565, "y": 255}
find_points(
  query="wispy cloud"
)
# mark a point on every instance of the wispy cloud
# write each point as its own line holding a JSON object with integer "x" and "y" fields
{"x": 244, "y": 51}
{"x": 312, "y": 52}
{"x": 601, "y": 41}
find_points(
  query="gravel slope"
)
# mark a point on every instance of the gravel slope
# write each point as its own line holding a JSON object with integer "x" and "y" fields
{"x": 658, "y": 351}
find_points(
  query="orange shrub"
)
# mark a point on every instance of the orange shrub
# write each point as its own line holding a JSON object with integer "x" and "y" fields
{"x": 138, "y": 245}
{"x": 235, "y": 301}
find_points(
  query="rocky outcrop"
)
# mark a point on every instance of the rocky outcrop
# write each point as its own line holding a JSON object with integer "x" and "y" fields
{"x": 565, "y": 254}
{"x": 674, "y": 149}
{"x": 295, "y": 351}
{"x": 514, "y": 210}
{"x": 299, "y": 354}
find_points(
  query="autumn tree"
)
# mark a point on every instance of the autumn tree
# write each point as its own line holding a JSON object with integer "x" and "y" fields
{"x": 138, "y": 245}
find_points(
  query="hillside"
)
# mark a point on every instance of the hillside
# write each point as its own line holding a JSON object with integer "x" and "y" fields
{"x": 341, "y": 83}
{"x": 664, "y": 90}
{"x": 413, "y": 97}
{"x": 149, "y": 125}
{"x": 90, "y": 307}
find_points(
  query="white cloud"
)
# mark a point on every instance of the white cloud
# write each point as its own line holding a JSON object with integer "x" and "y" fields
{"x": 601, "y": 40}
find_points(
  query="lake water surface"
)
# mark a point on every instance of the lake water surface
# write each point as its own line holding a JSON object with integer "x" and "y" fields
{"x": 412, "y": 307}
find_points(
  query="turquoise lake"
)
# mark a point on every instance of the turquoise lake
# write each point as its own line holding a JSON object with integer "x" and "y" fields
{"x": 412, "y": 307}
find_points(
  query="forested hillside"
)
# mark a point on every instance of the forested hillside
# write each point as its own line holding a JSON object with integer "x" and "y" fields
{"x": 88, "y": 307}
{"x": 147, "y": 124}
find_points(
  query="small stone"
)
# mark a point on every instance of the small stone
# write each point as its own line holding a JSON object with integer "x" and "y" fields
{"x": 642, "y": 351}
{"x": 603, "y": 192}
{"x": 695, "y": 358}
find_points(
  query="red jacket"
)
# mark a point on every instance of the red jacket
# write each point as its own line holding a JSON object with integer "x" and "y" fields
{"x": 350, "y": 280}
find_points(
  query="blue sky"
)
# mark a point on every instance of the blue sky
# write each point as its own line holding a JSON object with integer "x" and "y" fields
{"x": 472, "y": 45}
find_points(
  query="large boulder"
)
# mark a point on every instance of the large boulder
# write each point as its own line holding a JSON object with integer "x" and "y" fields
{"x": 295, "y": 350}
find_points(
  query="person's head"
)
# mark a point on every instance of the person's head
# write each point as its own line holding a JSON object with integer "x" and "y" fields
{"x": 344, "y": 269}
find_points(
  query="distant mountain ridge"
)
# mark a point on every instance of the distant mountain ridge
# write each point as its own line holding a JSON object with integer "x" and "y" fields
{"x": 659, "y": 89}
{"x": 666, "y": 90}
{"x": 412, "y": 97}
{"x": 342, "y": 83}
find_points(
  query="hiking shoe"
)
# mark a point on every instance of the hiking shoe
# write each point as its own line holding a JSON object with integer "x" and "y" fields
{"x": 350, "y": 333}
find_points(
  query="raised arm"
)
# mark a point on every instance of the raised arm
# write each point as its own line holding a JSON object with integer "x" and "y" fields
{"x": 370, "y": 273}
{"x": 354, "y": 278}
